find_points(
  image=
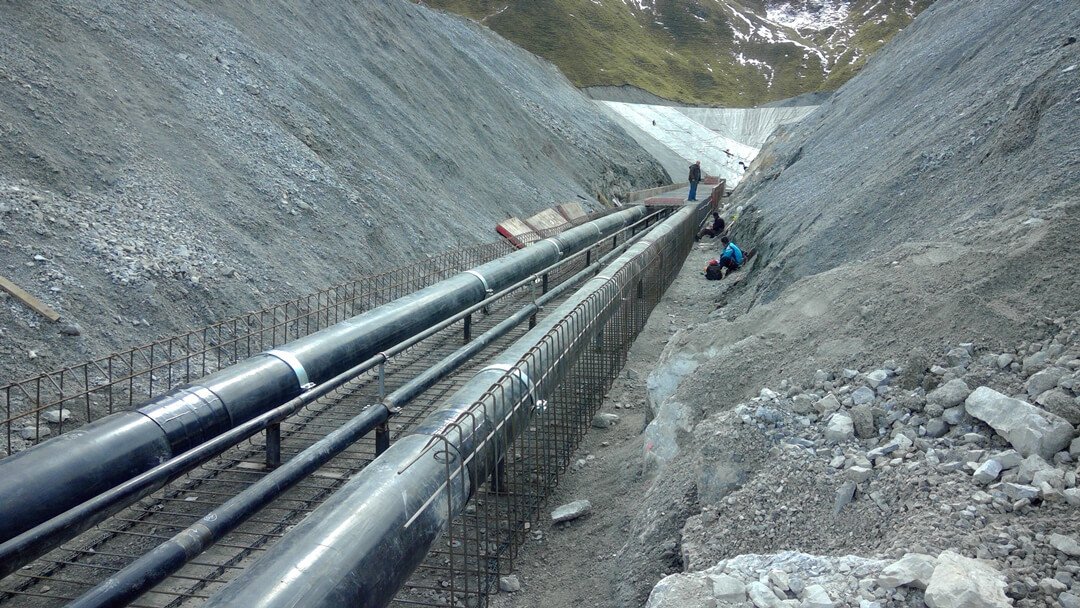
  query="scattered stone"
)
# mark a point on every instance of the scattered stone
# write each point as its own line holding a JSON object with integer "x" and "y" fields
{"x": 34, "y": 432}
{"x": 937, "y": 428}
{"x": 780, "y": 580}
{"x": 728, "y": 589}
{"x": 55, "y": 416}
{"x": 70, "y": 329}
{"x": 768, "y": 415}
{"x": 843, "y": 496}
{"x": 605, "y": 420}
{"x": 862, "y": 417}
{"x": 827, "y": 405}
{"x": 862, "y": 396}
{"x": 815, "y": 596}
{"x": 859, "y": 474}
{"x": 1066, "y": 544}
{"x": 1018, "y": 491}
{"x": 1029, "y": 429}
{"x": 1072, "y": 496}
{"x": 914, "y": 570}
{"x": 1004, "y": 360}
{"x": 1068, "y": 600}
{"x": 762, "y": 596}
{"x": 987, "y": 472}
{"x": 1009, "y": 459}
{"x": 1029, "y": 467}
{"x": 767, "y": 394}
{"x": 962, "y": 582}
{"x": 958, "y": 357}
{"x": 802, "y": 404}
{"x": 1043, "y": 381}
{"x": 509, "y": 584}
{"x": 950, "y": 394}
{"x": 877, "y": 377}
{"x": 1035, "y": 362}
{"x": 840, "y": 429}
{"x": 571, "y": 511}
{"x": 954, "y": 415}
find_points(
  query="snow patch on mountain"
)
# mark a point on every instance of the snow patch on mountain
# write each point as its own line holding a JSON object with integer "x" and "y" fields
{"x": 808, "y": 14}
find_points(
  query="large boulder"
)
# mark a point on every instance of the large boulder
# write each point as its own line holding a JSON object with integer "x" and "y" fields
{"x": 1029, "y": 429}
{"x": 962, "y": 582}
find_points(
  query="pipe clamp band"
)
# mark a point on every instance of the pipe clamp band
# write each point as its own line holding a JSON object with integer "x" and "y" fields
{"x": 487, "y": 288}
{"x": 290, "y": 359}
{"x": 556, "y": 244}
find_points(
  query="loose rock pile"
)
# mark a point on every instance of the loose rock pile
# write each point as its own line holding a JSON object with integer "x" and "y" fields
{"x": 959, "y": 480}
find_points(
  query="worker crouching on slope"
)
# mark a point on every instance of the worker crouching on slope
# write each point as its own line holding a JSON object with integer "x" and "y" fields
{"x": 713, "y": 231}
{"x": 731, "y": 258}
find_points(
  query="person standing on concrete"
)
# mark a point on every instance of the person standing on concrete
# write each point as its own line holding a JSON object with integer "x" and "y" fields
{"x": 695, "y": 177}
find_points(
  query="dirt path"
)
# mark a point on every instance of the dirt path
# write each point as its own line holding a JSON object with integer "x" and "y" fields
{"x": 575, "y": 564}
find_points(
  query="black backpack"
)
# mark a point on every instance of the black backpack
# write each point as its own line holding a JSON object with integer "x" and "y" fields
{"x": 714, "y": 272}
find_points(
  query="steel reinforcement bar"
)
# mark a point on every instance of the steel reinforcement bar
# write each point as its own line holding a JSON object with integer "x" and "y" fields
{"x": 51, "y": 478}
{"x": 362, "y": 544}
{"x": 141, "y": 575}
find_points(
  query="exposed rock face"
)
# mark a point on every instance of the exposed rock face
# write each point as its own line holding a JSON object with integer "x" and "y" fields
{"x": 1029, "y": 429}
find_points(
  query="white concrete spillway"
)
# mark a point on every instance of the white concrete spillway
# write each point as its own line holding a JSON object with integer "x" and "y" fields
{"x": 720, "y": 138}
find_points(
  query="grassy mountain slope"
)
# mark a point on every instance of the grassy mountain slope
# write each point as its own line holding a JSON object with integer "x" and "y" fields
{"x": 724, "y": 52}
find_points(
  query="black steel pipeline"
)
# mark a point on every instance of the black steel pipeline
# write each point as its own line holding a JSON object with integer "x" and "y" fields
{"x": 52, "y": 477}
{"x": 150, "y": 569}
{"x": 362, "y": 544}
{"x": 21, "y": 550}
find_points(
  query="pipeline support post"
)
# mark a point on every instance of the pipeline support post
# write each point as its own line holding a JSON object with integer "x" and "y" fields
{"x": 273, "y": 446}
{"x": 382, "y": 438}
{"x": 468, "y": 329}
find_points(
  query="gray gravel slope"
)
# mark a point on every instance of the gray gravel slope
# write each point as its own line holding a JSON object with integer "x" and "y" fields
{"x": 968, "y": 114}
{"x": 181, "y": 162}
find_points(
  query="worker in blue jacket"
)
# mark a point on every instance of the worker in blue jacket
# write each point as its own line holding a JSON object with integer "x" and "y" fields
{"x": 731, "y": 258}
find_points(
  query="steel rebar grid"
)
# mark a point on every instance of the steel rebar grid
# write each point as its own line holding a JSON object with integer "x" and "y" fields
{"x": 466, "y": 442}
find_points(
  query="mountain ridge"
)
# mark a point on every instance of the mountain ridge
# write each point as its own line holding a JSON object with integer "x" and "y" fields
{"x": 702, "y": 52}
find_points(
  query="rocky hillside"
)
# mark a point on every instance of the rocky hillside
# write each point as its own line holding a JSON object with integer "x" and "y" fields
{"x": 880, "y": 410}
{"x": 711, "y": 52}
{"x": 928, "y": 204}
{"x": 163, "y": 165}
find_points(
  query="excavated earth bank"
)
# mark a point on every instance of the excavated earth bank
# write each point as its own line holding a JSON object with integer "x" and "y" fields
{"x": 167, "y": 164}
{"x": 814, "y": 418}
